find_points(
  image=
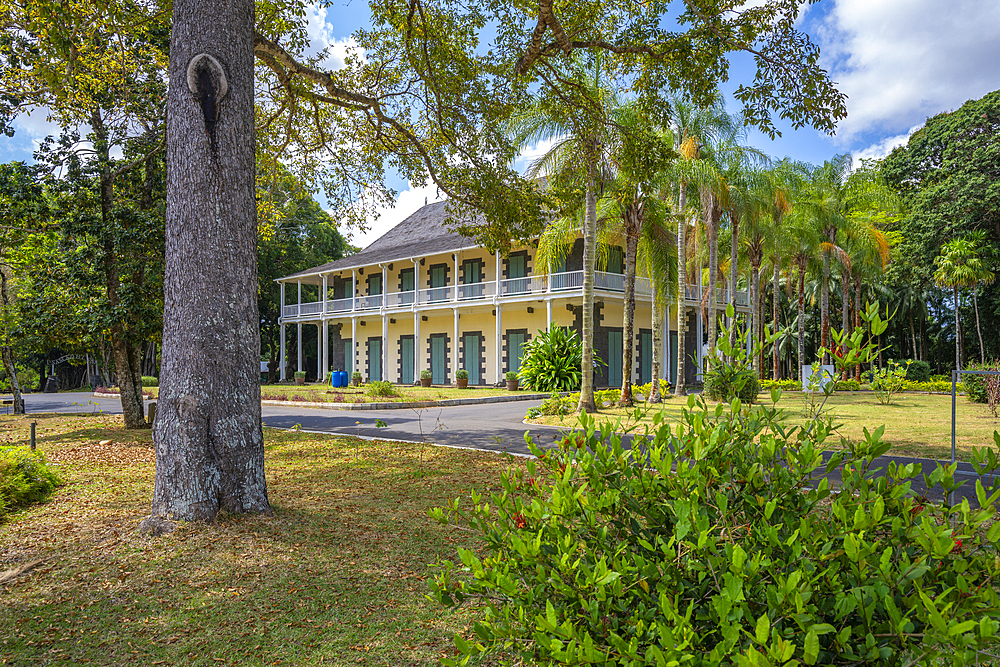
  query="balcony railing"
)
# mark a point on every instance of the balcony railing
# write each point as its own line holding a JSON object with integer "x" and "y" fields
{"x": 558, "y": 283}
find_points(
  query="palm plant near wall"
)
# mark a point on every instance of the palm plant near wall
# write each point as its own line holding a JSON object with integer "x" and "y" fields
{"x": 575, "y": 117}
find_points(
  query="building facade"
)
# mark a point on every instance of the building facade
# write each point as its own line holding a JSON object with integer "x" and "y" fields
{"x": 422, "y": 298}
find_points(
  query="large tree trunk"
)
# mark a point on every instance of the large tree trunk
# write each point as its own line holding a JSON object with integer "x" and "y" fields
{"x": 845, "y": 315}
{"x": 209, "y": 443}
{"x": 857, "y": 317}
{"x": 589, "y": 263}
{"x": 654, "y": 394}
{"x": 680, "y": 389}
{"x": 128, "y": 368}
{"x": 632, "y": 225}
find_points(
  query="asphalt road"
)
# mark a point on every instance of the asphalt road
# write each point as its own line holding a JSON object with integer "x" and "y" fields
{"x": 494, "y": 427}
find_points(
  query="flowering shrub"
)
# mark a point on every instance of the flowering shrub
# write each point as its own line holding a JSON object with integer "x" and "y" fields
{"x": 887, "y": 382}
{"x": 715, "y": 545}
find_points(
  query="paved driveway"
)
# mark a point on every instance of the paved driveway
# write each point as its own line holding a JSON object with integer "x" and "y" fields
{"x": 494, "y": 427}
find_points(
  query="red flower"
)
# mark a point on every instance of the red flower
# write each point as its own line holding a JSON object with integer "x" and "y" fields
{"x": 519, "y": 520}
{"x": 957, "y": 547}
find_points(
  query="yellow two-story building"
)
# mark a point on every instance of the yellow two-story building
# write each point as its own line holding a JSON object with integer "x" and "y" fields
{"x": 423, "y": 298}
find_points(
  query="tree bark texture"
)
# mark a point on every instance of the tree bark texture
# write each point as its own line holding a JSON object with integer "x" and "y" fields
{"x": 733, "y": 263}
{"x": 680, "y": 389}
{"x": 979, "y": 331}
{"x": 712, "y": 226}
{"x": 802, "y": 315}
{"x": 824, "y": 307}
{"x": 958, "y": 334}
{"x": 7, "y": 353}
{"x": 632, "y": 225}
{"x": 758, "y": 319}
{"x": 655, "y": 307}
{"x": 209, "y": 443}
{"x": 857, "y": 316}
{"x": 589, "y": 264}
{"x": 775, "y": 306}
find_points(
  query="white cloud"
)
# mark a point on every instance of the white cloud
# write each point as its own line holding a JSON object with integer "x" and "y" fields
{"x": 409, "y": 201}
{"x": 321, "y": 37}
{"x": 533, "y": 152}
{"x": 880, "y": 149}
{"x": 900, "y": 61}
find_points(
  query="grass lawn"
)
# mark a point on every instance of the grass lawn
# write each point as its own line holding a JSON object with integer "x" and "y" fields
{"x": 323, "y": 393}
{"x": 917, "y": 424}
{"x": 335, "y": 577}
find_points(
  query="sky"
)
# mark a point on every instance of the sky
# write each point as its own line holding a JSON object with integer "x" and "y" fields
{"x": 898, "y": 61}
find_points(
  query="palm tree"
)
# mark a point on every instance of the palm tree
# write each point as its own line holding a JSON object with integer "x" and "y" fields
{"x": 576, "y": 117}
{"x": 631, "y": 197}
{"x": 837, "y": 198}
{"x": 802, "y": 246}
{"x": 960, "y": 266}
{"x": 692, "y": 127}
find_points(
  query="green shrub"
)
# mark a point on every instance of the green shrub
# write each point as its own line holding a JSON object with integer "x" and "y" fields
{"x": 790, "y": 385}
{"x": 511, "y": 376}
{"x": 887, "y": 382}
{"x": 26, "y": 377}
{"x": 150, "y": 381}
{"x": 461, "y": 374}
{"x": 716, "y": 545}
{"x": 300, "y": 375}
{"x": 975, "y": 385}
{"x": 551, "y": 361}
{"x": 724, "y": 382}
{"x": 916, "y": 371}
{"x": 848, "y": 385}
{"x": 424, "y": 375}
{"x": 935, "y": 386}
{"x": 647, "y": 389}
{"x": 25, "y": 478}
{"x": 941, "y": 378}
{"x": 382, "y": 389}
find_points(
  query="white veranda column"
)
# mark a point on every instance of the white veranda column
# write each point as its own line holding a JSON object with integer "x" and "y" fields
{"x": 548, "y": 314}
{"x": 281, "y": 352}
{"x": 354, "y": 344}
{"x": 416, "y": 346}
{"x": 326, "y": 350}
{"x": 700, "y": 343}
{"x": 298, "y": 330}
{"x": 319, "y": 350}
{"x": 454, "y": 349}
{"x": 385, "y": 344}
{"x": 499, "y": 345}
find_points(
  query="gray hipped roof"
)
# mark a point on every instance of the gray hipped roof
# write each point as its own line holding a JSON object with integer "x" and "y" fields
{"x": 421, "y": 234}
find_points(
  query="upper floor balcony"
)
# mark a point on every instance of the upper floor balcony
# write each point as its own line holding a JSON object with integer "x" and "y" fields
{"x": 567, "y": 283}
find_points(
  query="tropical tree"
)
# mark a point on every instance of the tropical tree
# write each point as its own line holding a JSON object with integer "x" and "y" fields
{"x": 802, "y": 247}
{"x": 576, "y": 118}
{"x": 960, "y": 266}
{"x": 837, "y": 198}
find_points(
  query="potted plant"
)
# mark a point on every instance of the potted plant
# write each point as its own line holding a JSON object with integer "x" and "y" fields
{"x": 300, "y": 377}
{"x": 512, "y": 381}
{"x": 356, "y": 378}
{"x": 462, "y": 377}
{"x": 425, "y": 378}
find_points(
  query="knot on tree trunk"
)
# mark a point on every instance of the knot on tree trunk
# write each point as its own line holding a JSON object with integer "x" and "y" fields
{"x": 207, "y": 82}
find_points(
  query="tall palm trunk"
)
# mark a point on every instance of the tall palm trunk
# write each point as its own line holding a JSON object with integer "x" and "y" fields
{"x": 733, "y": 260}
{"x": 632, "y": 225}
{"x": 857, "y": 316}
{"x": 982, "y": 350}
{"x": 711, "y": 224}
{"x": 824, "y": 337}
{"x": 958, "y": 333}
{"x": 654, "y": 393}
{"x": 680, "y": 389}
{"x": 589, "y": 262}
{"x": 802, "y": 313}
{"x": 845, "y": 317}
{"x": 757, "y": 308}
{"x": 775, "y": 305}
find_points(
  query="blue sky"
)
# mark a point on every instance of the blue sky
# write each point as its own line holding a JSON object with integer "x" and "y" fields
{"x": 898, "y": 61}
